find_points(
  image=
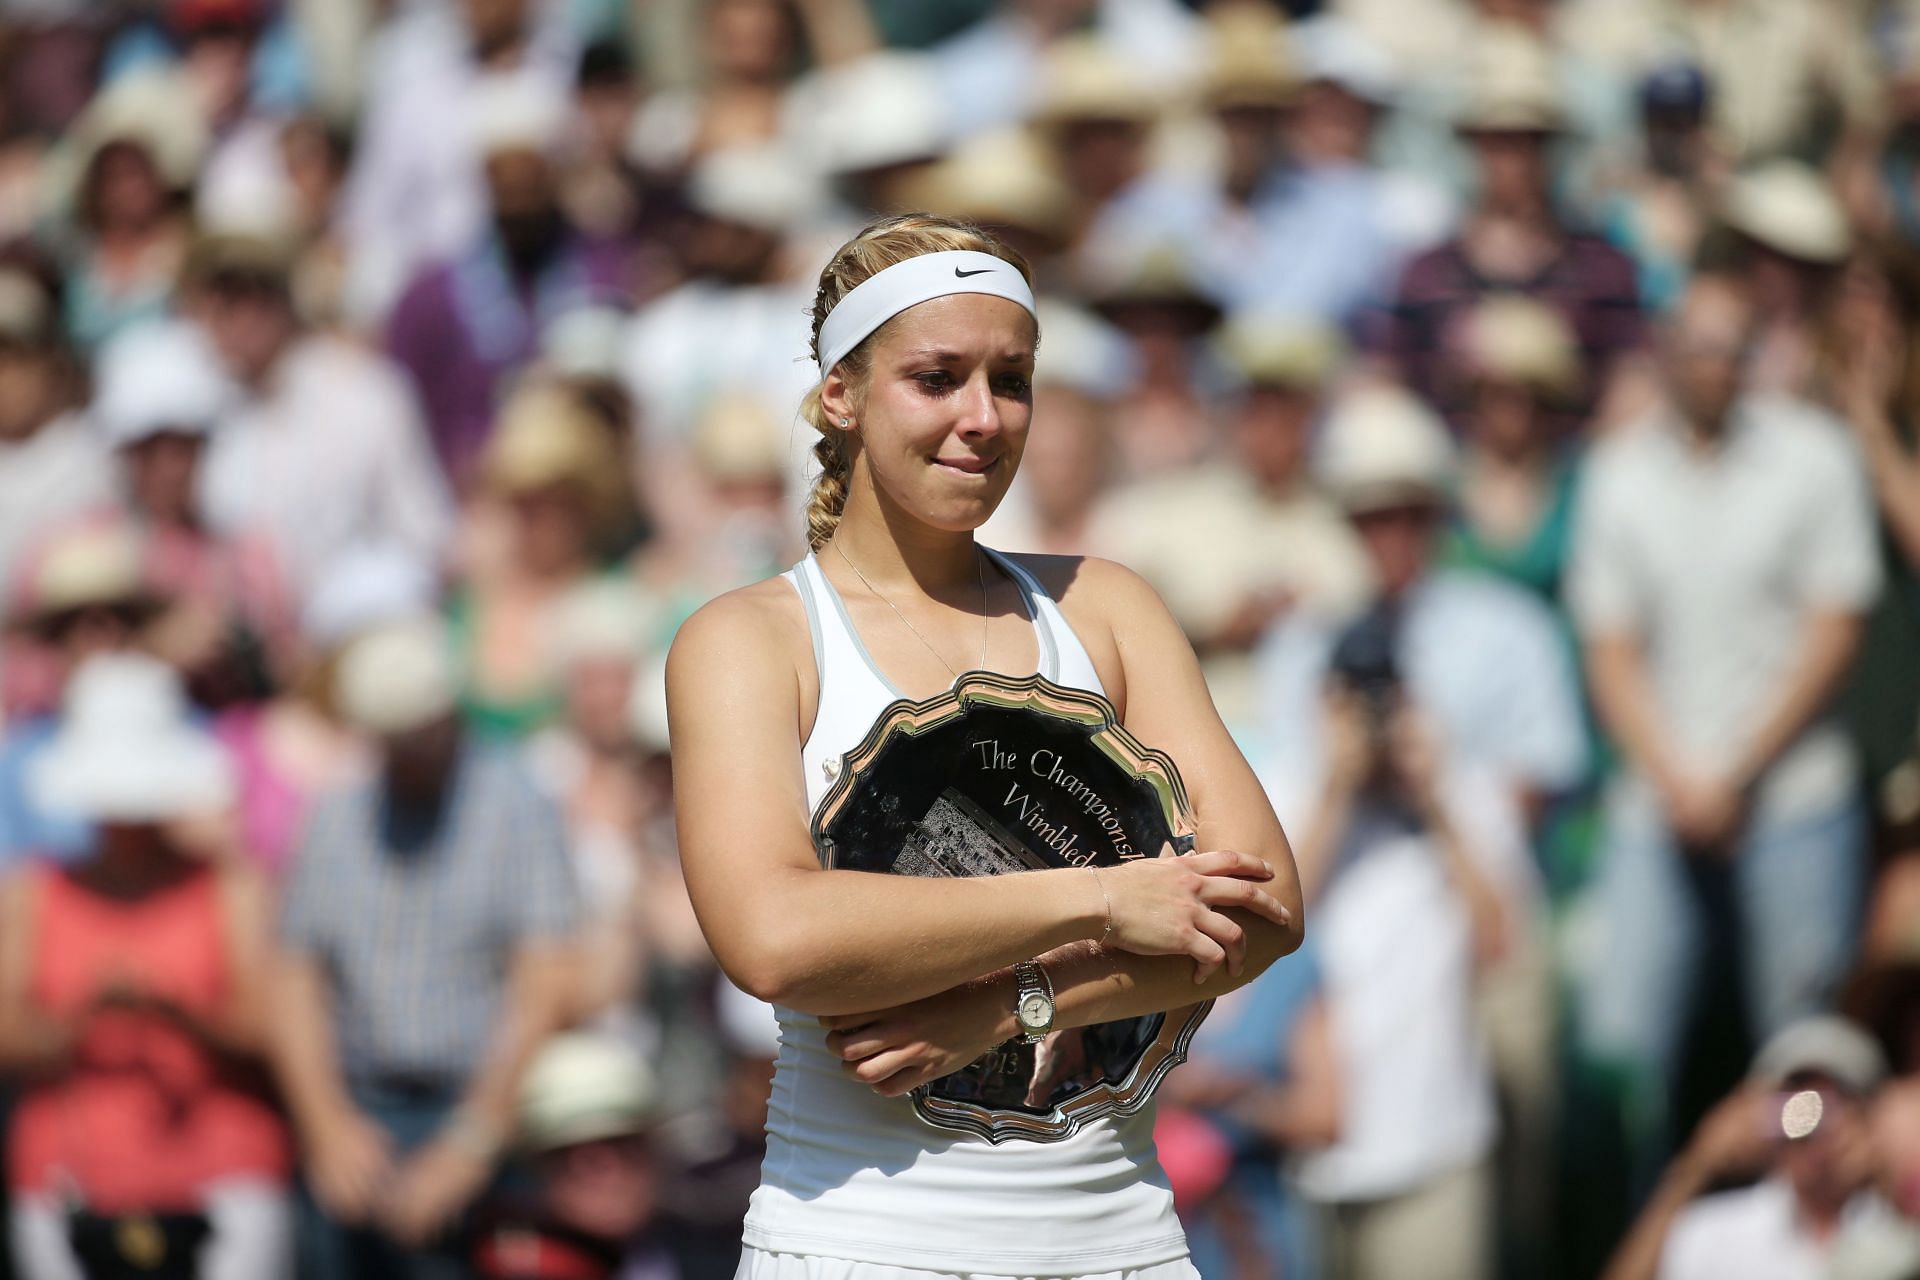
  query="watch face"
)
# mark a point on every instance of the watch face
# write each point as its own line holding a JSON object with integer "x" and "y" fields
{"x": 1036, "y": 1010}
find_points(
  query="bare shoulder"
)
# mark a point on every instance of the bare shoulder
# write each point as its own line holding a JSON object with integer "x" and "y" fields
{"x": 1091, "y": 586}
{"x": 753, "y": 623}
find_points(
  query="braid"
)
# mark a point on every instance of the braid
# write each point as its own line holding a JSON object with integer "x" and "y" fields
{"x": 878, "y": 246}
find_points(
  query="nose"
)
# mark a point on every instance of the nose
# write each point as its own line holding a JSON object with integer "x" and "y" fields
{"x": 978, "y": 408}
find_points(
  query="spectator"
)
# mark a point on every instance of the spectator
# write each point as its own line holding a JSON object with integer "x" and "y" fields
{"x": 586, "y": 1112}
{"x": 325, "y": 447}
{"x": 1792, "y": 239}
{"x": 1723, "y": 559}
{"x": 1513, "y": 239}
{"x": 84, "y": 596}
{"x": 1261, "y": 1078}
{"x": 1517, "y": 475}
{"x": 1800, "y": 1120}
{"x": 464, "y": 325}
{"x": 51, "y": 465}
{"x": 1233, "y": 544}
{"x": 131, "y": 997}
{"x": 1481, "y": 657}
{"x": 426, "y": 929}
{"x": 557, "y": 479}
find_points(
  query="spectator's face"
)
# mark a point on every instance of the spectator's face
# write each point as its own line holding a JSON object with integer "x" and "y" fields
{"x": 123, "y": 189}
{"x": 1271, "y": 432}
{"x": 1512, "y": 167}
{"x": 525, "y": 213}
{"x": 1505, "y": 417}
{"x": 1399, "y": 542}
{"x": 495, "y": 25}
{"x": 1100, "y": 157}
{"x": 552, "y": 530}
{"x": 729, "y": 251}
{"x": 1330, "y": 122}
{"x": 750, "y": 39}
{"x": 419, "y": 761}
{"x": 943, "y": 420}
{"x": 605, "y": 1189}
{"x": 316, "y": 166}
{"x": 162, "y": 471}
{"x": 1706, "y": 352}
{"x": 1065, "y": 458}
{"x": 29, "y": 385}
{"x": 90, "y": 630}
{"x": 599, "y": 695}
{"x": 249, "y": 319}
{"x": 1253, "y": 142}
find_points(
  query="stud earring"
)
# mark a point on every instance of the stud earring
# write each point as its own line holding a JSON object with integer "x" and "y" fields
{"x": 846, "y": 422}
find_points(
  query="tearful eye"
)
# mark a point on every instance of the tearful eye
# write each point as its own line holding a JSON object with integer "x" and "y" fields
{"x": 1016, "y": 384}
{"x": 935, "y": 381}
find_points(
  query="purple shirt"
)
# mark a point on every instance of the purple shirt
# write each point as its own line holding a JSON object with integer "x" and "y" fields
{"x": 462, "y": 328}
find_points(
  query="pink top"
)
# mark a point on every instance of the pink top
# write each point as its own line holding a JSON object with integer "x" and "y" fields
{"x": 147, "y": 1115}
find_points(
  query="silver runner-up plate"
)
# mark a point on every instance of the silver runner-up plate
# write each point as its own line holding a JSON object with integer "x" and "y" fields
{"x": 1000, "y": 775}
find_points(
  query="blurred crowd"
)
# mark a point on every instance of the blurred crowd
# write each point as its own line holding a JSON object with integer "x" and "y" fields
{"x": 1515, "y": 400}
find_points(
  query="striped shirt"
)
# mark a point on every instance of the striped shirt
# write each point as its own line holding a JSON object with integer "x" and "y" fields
{"x": 417, "y": 941}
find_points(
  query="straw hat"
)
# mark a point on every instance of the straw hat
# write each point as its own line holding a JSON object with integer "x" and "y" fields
{"x": 583, "y": 1087}
{"x": 1002, "y": 178}
{"x": 1790, "y": 209}
{"x": 26, "y": 309}
{"x": 515, "y": 111}
{"x": 1513, "y": 87}
{"x": 1252, "y": 62}
{"x": 98, "y": 563}
{"x": 546, "y": 437}
{"x": 1154, "y": 276}
{"x": 1512, "y": 338}
{"x": 1382, "y": 447}
{"x": 1282, "y": 351}
{"x": 738, "y": 440}
{"x": 126, "y": 751}
{"x": 162, "y": 376}
{"x": 398, "y": 678}
{"x": 1087, "y": 82}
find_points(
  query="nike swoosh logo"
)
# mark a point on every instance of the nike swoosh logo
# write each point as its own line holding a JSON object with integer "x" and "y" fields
{"x": 964, "y": 274}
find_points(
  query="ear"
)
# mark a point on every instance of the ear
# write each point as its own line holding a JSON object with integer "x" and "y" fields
{"x": 836, "y": 397}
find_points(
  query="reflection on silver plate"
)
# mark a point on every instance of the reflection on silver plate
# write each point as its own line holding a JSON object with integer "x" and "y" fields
{"x": 996, "y": 776}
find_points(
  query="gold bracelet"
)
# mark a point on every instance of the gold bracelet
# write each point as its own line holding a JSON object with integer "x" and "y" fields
{"x": 1104, "y": 898}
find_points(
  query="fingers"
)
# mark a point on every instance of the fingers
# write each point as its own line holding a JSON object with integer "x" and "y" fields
{"x": 1222, "y": 892}
{"x": 862, "y": 1042}
{"x": 1208, "y": 956}
{"x": 1228, "y": 936}
{"x": 1229, "y": 862}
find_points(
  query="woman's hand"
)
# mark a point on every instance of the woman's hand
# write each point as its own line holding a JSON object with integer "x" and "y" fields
{"x": 897, "y": 1050}
{"x": 1174, "y": 906}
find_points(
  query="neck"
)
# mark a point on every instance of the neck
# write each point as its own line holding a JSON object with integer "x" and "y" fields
{"x": 893, "y": 549}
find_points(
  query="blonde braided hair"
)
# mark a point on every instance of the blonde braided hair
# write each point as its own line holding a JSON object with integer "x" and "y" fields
{"x": 879, "y": 245}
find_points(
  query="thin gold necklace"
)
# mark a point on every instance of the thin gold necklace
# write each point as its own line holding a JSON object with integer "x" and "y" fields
{"x": 979, "y": 572}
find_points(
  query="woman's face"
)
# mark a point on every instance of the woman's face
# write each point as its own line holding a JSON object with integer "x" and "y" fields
{"x": 948, "y": 400}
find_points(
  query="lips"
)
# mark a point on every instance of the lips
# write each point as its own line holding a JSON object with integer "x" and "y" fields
{"x": 968, "y": 465}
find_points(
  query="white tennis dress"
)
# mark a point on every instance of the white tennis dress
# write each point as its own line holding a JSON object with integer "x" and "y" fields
{"x": 858, "y": 1186}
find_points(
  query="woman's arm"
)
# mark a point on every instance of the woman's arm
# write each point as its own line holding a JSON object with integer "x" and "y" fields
{"x": 30, "y": 1040}
{"x": 1167, "y": 706}
{"x": 830, "y": 942}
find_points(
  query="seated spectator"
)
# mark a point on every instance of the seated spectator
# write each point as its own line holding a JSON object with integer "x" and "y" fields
{"x": 1233, "y": 544}
{"x": 131, "y": 999}
{"x": 586, "y": 1111}
{"x": 426, "y": 931}
{"x": 554, "y": 481}
{"x": 52, "y": 465}
{"x": 1800, "y": 1121}
{"x": 1516, "y": 484}
{"x": 324, "y": 448}
{"x": 83, "y": 594}
{"x": 1723, "y": 562}
{"x": 1513, "y": 239}
{"x": 1262, "y": 1081}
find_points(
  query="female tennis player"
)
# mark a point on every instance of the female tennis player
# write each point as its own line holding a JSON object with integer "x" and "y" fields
{"x": 925, "y": 333}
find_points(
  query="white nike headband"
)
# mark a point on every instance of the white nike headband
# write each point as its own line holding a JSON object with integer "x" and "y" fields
{"x": 885, "y": 294}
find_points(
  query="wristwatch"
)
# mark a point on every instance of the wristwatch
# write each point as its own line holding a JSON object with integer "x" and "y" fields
{"x": 1033, "y": 1005}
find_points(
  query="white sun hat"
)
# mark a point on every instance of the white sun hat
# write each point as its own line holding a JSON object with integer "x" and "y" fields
{"x": 397, "y": 678}
{"x": 126, "y": 751}
{"x": 1382, "y": 447}
{"x": 583, "y": 1087}
{"x": 162, "y": 376}
{"x": 1790, "y": 208}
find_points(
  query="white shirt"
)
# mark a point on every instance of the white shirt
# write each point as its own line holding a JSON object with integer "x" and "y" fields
{"x": 1396, "y": 954}
{"x": 59, "y": 471}
{"x": 1755, "y": 1233}
{"x": 1715, "y": 560}
{"x": 333, "y": 454}
{"x": 1484, "y": 658}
